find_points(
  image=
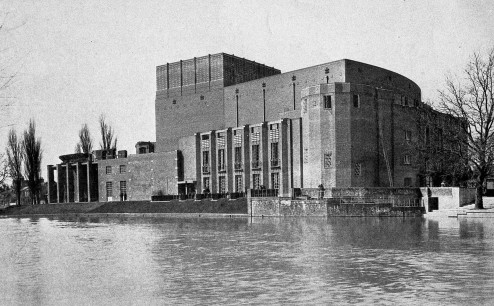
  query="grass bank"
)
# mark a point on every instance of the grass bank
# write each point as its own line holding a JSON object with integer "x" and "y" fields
{"x": 221, "y": 206}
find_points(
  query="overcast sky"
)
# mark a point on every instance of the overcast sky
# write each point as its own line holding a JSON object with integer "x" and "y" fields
{"x": 77, "y": 59}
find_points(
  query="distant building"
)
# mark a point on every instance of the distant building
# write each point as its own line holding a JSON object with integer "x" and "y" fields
{"x": 226, "y": 124}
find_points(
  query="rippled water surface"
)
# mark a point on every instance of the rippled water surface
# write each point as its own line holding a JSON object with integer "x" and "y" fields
{"x": 261, "y": 261}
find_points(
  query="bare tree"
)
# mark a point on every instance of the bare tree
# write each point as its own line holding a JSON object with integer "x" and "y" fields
{"x": 108, "y": 138}
{"x": 3, "y": 169}
{"x": 85, "y": 144}
{"x": 471, "y": 98}
{"x": 15, "y": 158}
{"x": 32, "y": 161}
{"x": 441, "y": 157}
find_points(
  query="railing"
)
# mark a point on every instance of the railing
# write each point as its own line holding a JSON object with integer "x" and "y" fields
{"x": 205, "y": 169}
{"x": 256, "y": 164}
{"x": 263, "y": 193}
{"x": 238, "y": 165}
{"x": 275, "y": 162}
{"x": 394, "y": 201}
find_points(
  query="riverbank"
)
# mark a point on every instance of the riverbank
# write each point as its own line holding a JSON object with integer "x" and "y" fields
{"x": 142, "y": 208}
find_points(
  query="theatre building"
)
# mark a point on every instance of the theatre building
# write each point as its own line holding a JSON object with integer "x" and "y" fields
{"x": 225, "y": 124}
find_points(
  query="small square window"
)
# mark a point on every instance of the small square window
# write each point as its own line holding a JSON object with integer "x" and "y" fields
{"x": 356, "y": 101}
{"x": 327, "y": 102}
{"x": 407, "y": 182}
{"x": 174, "y": 102}
{"x": 123, "y": 169}
{"x": 108, "y": 169}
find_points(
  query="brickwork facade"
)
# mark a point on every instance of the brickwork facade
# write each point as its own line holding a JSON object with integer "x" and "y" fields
{"x": 227, "y": 125}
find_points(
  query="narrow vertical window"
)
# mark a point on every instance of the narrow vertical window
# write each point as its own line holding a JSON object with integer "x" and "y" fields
{"x": 264, "y": 105}
{"x": 275, "y": 160}
{"x": 236, "y": 97}
{"x": 221, "y": 160}
{"x": 275, "y": 180}
{"x": 205, "y": 161}
{"x": 238, "y": 158}
{"x": 222, "y": 184}
{"x": 123, "y": 190}
{"x": 108, "y": 169}
{"x": 239, "y": 186}
{"x": 358, "y": 169}
{"x": 109, "y": 189}
{"x": 327, "y": 102}
{"x": 256, "y": 181}
{"x": 255, "y": 157}
{"x": 356, "y": 101}
{"x": 294, "y": 102}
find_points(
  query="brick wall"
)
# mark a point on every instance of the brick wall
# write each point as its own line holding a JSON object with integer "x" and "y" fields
{"x": 145, "y": 175}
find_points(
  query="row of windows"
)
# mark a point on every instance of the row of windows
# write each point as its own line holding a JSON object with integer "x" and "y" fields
{"x": 109, "y": 188}
{"x": 121, "y": 169}
{"x": 239, "y": 185}
{"x": 255, "y": 153}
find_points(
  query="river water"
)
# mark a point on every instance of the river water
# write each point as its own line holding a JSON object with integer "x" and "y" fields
{"x": 197, "y": 261}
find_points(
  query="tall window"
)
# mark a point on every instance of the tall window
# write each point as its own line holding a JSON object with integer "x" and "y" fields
{"x": 408, "y": 135}
{"x": 123, "y": 187}
{"x": 255, "y": 156}
{"x": 256, "y": 181}
{"x": 205, "y": 183}
{"x": 238, "y": 158}
{"x": 109, "y": 189}
{"x": 123, "y": 169}
{"x": 239, "y": 186}
{"x": 358, "y": 169}
{"x": 407, "y": 182}
{"x": 108, "y": 169}
{"x": 205, "y": 161}
{"x": 275, "y": 161}
{"x": 221, "y": 160}
{"x": 222, "y": 184}
{"x": 327, "y": 102}
{"x": 275, "y": 180}
{"x": 356, "y": 101}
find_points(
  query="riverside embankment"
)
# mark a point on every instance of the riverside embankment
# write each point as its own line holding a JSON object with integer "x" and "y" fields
{"x": 219, "y": 207}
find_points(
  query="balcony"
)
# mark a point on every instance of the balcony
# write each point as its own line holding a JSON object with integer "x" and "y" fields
{"x": 263, "y": 193}
{"x": 256, "y": 164}
{"x": 238, "y": 165}
{"x": 205, "y": 169}
{"x": 275, "y": 162}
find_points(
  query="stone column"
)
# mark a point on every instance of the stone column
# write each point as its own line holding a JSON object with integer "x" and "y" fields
{"x": 60, "y": 184}
{"x": 77, "y": 195}
{"x": 88, "y": 181}
{"x": 67, "y": 178}
{"x": 49, "y": 173}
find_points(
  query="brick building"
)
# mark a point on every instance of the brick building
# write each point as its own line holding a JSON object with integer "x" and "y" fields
{"x": 225, "y": 124}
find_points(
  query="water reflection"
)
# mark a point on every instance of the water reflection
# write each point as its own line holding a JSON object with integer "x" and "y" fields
{"x": 271, "y": 260}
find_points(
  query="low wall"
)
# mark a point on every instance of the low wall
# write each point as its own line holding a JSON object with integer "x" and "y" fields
{"x": 286, "y": 207}
{"x": 282, "y": 207}
{"x": 372, "y": 210}
{"x": 447, "y": 197}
